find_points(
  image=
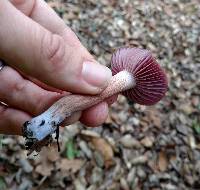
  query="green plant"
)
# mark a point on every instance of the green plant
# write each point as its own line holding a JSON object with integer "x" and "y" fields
{"x": 196, "y": 126}
{"x": 71, "y": 151}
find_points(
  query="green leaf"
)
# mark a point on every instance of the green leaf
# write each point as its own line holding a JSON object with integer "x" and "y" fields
{"x": 3, "y": 185}
{"x": 196, "y": 127}
{"x": 70, "y": 149}
{"x": 78, "y": 153}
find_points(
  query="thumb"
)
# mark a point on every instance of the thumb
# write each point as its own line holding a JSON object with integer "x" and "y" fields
{"x": 53, "y": 59}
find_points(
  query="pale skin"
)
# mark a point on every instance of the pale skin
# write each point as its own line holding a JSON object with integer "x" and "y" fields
{"x": 45, "y": 60}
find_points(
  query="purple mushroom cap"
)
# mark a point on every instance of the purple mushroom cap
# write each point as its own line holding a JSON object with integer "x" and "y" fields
{"x": 151, "y": 80}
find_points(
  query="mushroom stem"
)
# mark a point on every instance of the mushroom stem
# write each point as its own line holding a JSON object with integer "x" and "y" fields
{"x": 45, "y": 124}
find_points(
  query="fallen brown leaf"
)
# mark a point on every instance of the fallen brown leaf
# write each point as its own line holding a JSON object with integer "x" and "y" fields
{"x": 105, "y": 149}
{"x": 129, "y": 142}
{"x": 153, "y": 116}
{"x": 162, "y": 161}
{"x": 44, "y": 168}
{"x": 70, "y": 165}
{"x": 52, "y": 154}
{"x": 45, "y": 163}
{"x": 147, "y": 141}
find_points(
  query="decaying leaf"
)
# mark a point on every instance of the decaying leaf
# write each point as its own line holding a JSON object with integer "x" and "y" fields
{"x": 153, "y": 116}
{"x": 105, "y": 149}
{"x": 45, "y": 164}
{"x": 70, "y": 165}
{"x": 162, "y": 161}
{"x": 52, "y": 154}
{"x": 129, "y": 142}
{"x": 147, "y": 141}
{"x": 192, "y": 142}
{"x": 45, "y": 168}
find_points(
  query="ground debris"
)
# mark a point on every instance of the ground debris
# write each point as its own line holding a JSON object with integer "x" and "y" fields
{"x": 138, "y": 147}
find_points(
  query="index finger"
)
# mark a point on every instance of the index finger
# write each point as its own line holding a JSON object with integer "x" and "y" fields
{"x": 43, "y": 14}
{"x": 56, "y": 60}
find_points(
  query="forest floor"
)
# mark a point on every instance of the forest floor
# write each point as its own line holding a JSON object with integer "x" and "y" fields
{"x": 138, "y": 147}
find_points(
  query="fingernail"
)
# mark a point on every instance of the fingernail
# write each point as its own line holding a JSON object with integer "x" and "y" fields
{"x": 95, "y": 74}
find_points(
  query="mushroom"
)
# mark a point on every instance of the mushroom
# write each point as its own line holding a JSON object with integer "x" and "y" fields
{"x": 137, "y": 75}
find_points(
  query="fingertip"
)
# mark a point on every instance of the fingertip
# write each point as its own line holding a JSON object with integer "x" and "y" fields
{"x": 95, "y": 115}
{"x": 96, "y": 75}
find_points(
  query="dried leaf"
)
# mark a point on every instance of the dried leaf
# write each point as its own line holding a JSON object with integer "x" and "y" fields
{"x": 139, "y": 160}
{"x": 130, "y": 142}
{"x": 153, "y": 116}
{"x": 53, "y": 154}
{"x": 162, "y": 161}
{"x": 45, "y": 168}
{"x": 89, "y": 133}
{"x": 147, "y": 142}
{"x": 192, "y": 142}
{"x": 105, "y": 149}
{"x": 70, "y": 165}
{"x": 186, "y": 108}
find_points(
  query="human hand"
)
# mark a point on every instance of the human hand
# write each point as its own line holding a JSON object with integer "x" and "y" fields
{"x": 45, "y": 60}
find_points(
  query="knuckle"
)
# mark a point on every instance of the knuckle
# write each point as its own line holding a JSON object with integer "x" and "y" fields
{"x": 53, "y": 50}
{"x": 18, "y": 2}
{"x": 24, "y": 5}
{"x": 71, "y": 37}
{"x": 74, "y": 42}
{"x": 19, "y": 86}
